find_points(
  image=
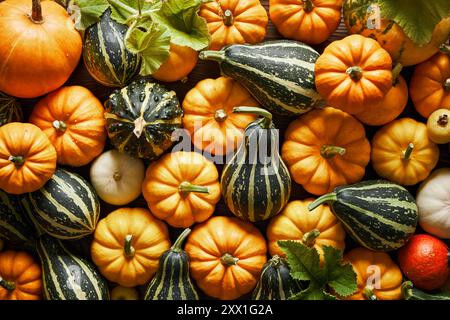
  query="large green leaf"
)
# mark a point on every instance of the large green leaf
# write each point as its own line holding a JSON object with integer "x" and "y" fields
{"x": 87, "y": 12}
{"x": 126, "y": 11}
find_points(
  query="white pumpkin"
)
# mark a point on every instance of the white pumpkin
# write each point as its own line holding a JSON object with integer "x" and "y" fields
{"x": 117, "y": 178}
{"x": 433, "y": 200}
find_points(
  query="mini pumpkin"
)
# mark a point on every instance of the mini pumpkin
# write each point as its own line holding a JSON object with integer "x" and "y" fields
{"x": 326, "y": 148}
{"x": 182, "y": 188}
{"x": 378, "y": 277}
{"x": 209, "y": 117}
{"x": 72, "y": 118}
{"x": 403, "y": 153}
{"x": 27, "y": 158}
{"x": 20, "y": 276}
{"x": 226, "y": 257}
{"x": 430, "y": 85}
{"x": 438, "y": 126}
{"x": 180, "y": 63}
{"x": 317, "y": 228}
{"x": 352, "y": 73}
{"x": 127, "y": 245}
{"x": 231, "y": 22}
{"x": 309, "y": 21}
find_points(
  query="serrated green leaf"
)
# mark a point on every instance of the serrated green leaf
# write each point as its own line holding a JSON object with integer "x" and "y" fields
{"x": 151, "y": 42}
{"x": 87, "y": 12}
{"x": 418, "y": 18}
{"x": 186, "y": 27}
{"x": 125, "y": 11}
{"x": 341, "y": 277}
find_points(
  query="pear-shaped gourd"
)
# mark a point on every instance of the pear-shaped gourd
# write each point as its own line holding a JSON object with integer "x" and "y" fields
{"x": 256, "y": 183}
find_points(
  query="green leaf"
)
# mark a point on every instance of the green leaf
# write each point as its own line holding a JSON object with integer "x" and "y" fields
{"x": 418, "y": 18}
{"x": 126, "y": 11}
{"x": 151, "y": 42}
{"x": 341, "y": 277}
{"x": 87, "y": 12}
{"x": 186, "y": 27}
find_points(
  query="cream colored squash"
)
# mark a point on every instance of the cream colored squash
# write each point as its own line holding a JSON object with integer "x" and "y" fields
{"x": 433, "y": 200}
{"x": 124, "y": 293}
{"x": 117, "y": 177}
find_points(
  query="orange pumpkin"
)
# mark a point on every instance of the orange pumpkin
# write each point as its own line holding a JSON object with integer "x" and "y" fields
{"x": 20, "y": 276}
{"x": 430, "y": 85}
{"x": 316, "y": 228}
{"x": 209, "y": 117}
{"x": 403, "y": 153}
{"x": 226, "y": 257}
{"x": 310, "y": 21}
{"x": 180, "y": 63}
{"x": 182, "y": 188}
{"x": 388, "y": 108}
{"x": 378, "y": 277}
{"x": 326, "y": 148}
{"x": 127, "y": 246}
{"x": 27, "y": 158}
{"x": 353, "y": 73}
{"x": 231, "y": 21}
{"x": 47, "y": 53}
{"x": 72, "y": 118}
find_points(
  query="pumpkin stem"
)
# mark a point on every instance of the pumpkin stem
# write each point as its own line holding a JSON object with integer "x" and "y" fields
{"x": 186, "y": 187}
{"x": 407, "y": 289}
{"x": 229, "y": 260}
{"x": 330, "y": 197}
{"x": 139, "y": 125}
{"x": 177, "y": 245}
{"x": 267, "y": 116}
{"x": 396, "y": 73}
{"x": 308, "y": 5}
{"x": 309, "y": 238}
{"x": 328, "y": 151}
{"x": 368, "y": 293}
{"x": 220, "y": 115}
{"x": 445, "y": 48}
{"x": 218, "y": 56}
{"x": 128, "y": 248}
{"x": 228, "y": 18}
{"x": 117, "y": 176}
{"x": 447, "y": 85}
{"x": 36, "y": 12}
{"x": 17, "y": 160}
{"x": 355, "y": 73}
{"x": 443, "y": 120}
{"x": 408, "y": 151}
{"x": 60, "y": 125}
{"x": 7, "y": 285}
{"x": 276, "y": 260}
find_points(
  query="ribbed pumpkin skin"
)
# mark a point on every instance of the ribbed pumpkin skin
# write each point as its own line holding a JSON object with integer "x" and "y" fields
{"x": 66, "y": 207}
{"x": 279, "y": 74}
{"x": 67, "y": 277}
{"x": 105, "y": 55}
{"x": 275, "y": 282}
{"x": 378, "y": 214}
{"x": 155, "y": 107}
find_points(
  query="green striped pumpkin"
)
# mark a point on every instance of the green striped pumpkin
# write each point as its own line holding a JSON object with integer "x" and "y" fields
{"x": 10, "y": 109}
{"x": 275, "y": 282}
{"x": 67, "y": 207}
{"x": 254, "y": 188}
{"x": 66, "y": 276}
{"x": 378, "y": 214}
{"x": 105, "y": 55}
{"x": 141, "y": 118}
{"x": 279, "y": 74}
{"x": 172, "y": 281}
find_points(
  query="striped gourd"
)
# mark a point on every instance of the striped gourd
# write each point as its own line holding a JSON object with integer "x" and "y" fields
{"x": 279, "y": 74}
{"x": 141, "y": 118}
{"x": 172, "y": 281}
{"x": 10, "y": 109}
{"x": 275, "y": 282}
{"x": 66, "y": 276}
{"x": 256, "y": 183}
{"x": 15, "y": 226}
{"x": 105, "y": 55}
{"x": 378, "y": 214}
{"x": 67, "y": 207}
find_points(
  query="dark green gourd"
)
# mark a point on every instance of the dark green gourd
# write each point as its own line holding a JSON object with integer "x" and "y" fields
{"x": 279, "y": 74}
{"x": 66, "y": 276}
{"x": 378, "y": 214}
{"x": 256, "y": 183}
{"x": 141, "y": 118}
{"x": 275, "y": 282}
{"x": 172, "y": 281}
{"x": 105, "y": 54}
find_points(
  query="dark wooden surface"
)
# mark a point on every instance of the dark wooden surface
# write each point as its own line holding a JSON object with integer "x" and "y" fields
{"x": 203, "y": 70}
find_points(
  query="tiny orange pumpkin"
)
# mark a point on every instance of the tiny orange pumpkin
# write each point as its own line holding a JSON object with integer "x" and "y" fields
{"x": 180, "y": 63}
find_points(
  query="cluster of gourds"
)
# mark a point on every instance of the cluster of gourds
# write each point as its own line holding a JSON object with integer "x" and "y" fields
{"x": 44, "y": 205}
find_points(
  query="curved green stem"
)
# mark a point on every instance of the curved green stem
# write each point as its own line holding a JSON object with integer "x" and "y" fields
{"x": 308, "y": 5}
{"x": 355, "y": 73}
{"x": 218, "y": 56}
{"x": 407, "y": 153}
{"x": 309, "y": 238}
{"x": 179, "y": 242}
{"x": 128, "y": 249}
{"x": 229, "y": 260}
{"x": 396, "y": 73}
{"x": 36, "y": 11}
{"x": 186, "y": 187}
{"x": 330, "y": 197}
{"x": 220, "y": 115}
{"x": 411, "y": 293}
{"x": 447, "y": 85}
{"x": 266, "y": 115}
{"x": 328, "y": 151}
{"x": 228, "y": 18}
{"x": 59, "y": 125}
{"x": 368, "y": 293}
{"x": 7, "y": 285}
{"x": 17, "y": 160}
